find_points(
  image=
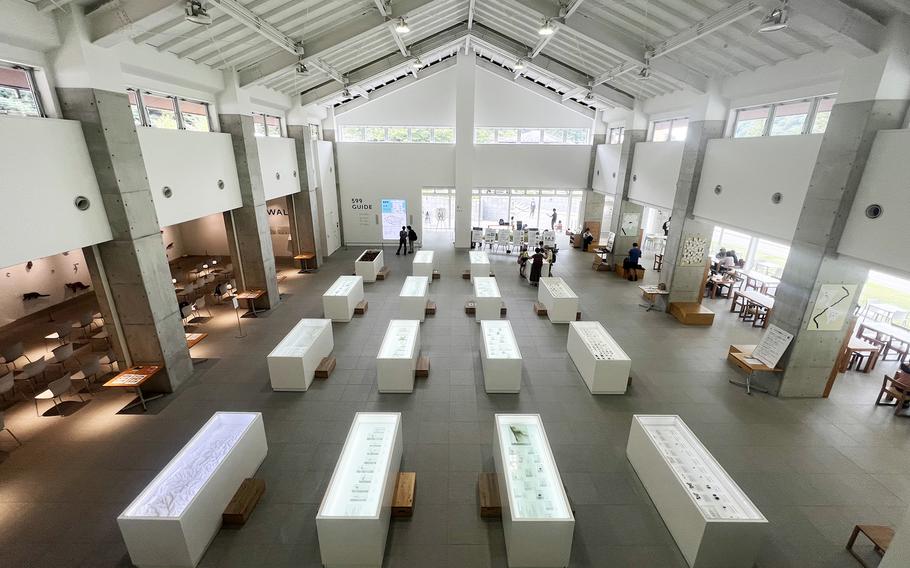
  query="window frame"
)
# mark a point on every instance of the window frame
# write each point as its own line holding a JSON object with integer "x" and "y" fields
{"x": 671, "y": 122}
{"x": 497, "y": 138}
{"x": 175, "y": 102}
{"x": 32, "y": 87}
{"x": 264, "y": 116}
{"x": 811, "y": 114}
{"x": 620, "y": 134}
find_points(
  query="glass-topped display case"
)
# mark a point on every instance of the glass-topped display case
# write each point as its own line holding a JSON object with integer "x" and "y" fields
{"x": 343, "y": 285}
{"x": 500, "y": 357}
{"x": 600, "y": 360}
{"x": 423, "y": 264}
{"x": 559, "y": 300}
{"x": 499, "y": 340}
{"x": 413, "y": 299}
{"x": 292, "y": 363}
{"x": 486, "y": 287}
{"x": 415, "y": 286}
{"x": 480, "y": 263}
{"x": 342, "y": 297}
{"x": 557, "y": 287}
{"x": 487, "y": 299}
{"x": 397, "y": 357}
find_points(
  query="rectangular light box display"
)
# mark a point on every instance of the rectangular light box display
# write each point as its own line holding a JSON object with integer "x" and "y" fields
{"x": 394, "y": 217}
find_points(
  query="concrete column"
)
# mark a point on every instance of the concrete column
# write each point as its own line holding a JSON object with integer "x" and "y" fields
{"x": 247, "y": 227}
{"x": 464, "y": 147}
{"x": 622, "y": 206}
{"x": 873, "y": 96}
{"x": 594, "y": 202}
{"x": 303, "y": 207}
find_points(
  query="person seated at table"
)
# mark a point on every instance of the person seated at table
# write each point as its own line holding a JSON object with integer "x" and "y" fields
{"x": 586, "y": 239}
{"x": 732, "y": 253}
{"x": 727, "y": 263}
{"x": 523, "y": 257}
{"x": 630, "y": 263}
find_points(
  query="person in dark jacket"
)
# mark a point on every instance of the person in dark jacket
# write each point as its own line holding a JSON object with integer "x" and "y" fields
{"x": 412, "y": 237}
{"x": 402, "y": 241}
{"x": 586, "y": 239}
{"x": 536, "y": 266}
{"x": 631, "y": 263}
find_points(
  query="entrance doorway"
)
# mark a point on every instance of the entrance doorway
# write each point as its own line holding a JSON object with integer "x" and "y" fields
{"x": 438, "y": 211}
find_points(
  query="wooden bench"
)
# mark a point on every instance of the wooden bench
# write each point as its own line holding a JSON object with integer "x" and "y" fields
{"x": 431, "y": 308}
{"x": 383, "y": 273}
{"x": 403, "y": 500}
{"x": 470, "y": 308}
{"x": 361, "y": 307}
{"x": 624, "y": 273}
{"x": 540, "y": 309}
{"x": 879, "y": 535}
{"x": 241, "y": 506}
{"x": 325, "y": 367}
{"x": 490, "y": 503}
{"x": 691, "y": 313}
{"x": 423, "y": 367}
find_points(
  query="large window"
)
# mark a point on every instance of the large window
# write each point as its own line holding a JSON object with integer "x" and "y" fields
{"x": 760, "y": 255}
{"x": 806, "y": 116}
{"x": 672, "y": 130}
{"x": 17, "y": 92}
{"x": 399, "y": 134}
{"x": 886, "y": 296}
{"x": 617, "y": 135}
{"x": 510, "y": 135}
{"x": 168, "y": 111}
{"x": 266, "y": 125}
{"x": 438, "y": 209}
{"x": 532, "y": 207}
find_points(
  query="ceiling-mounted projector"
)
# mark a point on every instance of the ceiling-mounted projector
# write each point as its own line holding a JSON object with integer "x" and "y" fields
{"x": 196, "y": 13}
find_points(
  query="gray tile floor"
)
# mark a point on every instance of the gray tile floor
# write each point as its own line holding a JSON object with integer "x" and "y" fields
{"x": 814, "y": 467}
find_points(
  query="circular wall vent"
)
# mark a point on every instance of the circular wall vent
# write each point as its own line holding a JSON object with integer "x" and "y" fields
{"x": 82, "y": 203}
{"x": 221, "y": 184}
{"x": 874, "y": 211}
{"x": 777, "y": 198}
{"x": 168, "y": 192}
{"x": 718, "y": 189}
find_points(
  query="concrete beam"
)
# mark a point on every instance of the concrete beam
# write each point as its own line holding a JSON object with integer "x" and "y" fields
{"x": 112, "y": 22}
{"x": 837, "y": 23}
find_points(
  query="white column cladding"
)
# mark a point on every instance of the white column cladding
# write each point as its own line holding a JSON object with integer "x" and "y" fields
{"x": 464, "y": 147}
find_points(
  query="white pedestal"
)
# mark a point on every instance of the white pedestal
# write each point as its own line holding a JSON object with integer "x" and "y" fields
{"x": 537, "y": 520}
{"x": 561, "y": 302}
{"x": 487, "y": 299}
{"x": 713, "y": 522}
{"x": 424, "y": 264}
{"x": 413, "y": 298}
{"x": 173, "y": 520}
{"x": 293, "y": 362}
{"x": 397, "y": 358}
{"x": 369, "y": 268}
{"x": 339, "y": 301}
{"x": 480, "y": 264}
{"x": 500, "y": 357}
{"x": 544, "y": 270}
{"x": 601, "y": 361}
{"x": 353, "y": 520}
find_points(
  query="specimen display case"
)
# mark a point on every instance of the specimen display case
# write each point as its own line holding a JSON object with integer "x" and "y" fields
{"x": 397, "y": 358}
{"x": 339, "y": 301}
{"x": 293, "y": 362}
{"x": 368, "y": 264}
{"x": 500, "y": 357}
{"x": 423, "y": 264}
{"x": 480, "y": 263}
{"x": 413, "y": 298}
{"x": 603, "y": 364}
{"x": 561, "y": 302}
{"x": 487, "y": 299}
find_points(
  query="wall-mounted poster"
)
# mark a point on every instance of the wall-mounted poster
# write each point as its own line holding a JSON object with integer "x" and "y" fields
{"x": 394, "y": 217}
{"x": 830, "y": 311}
{"x": 630, "y": 224}
{"x": 694, "y": 249}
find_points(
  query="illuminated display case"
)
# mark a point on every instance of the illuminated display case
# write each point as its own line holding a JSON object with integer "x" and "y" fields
{"x": 713, "y": 522}
{"x": 537, "y": 519}
{"x": 480, "y": 264}
{"x": 397, "y": 358}
{"x": 488, "y": 300}
{"x": 561, "y": 302}
{"x": 339, "y": 301}
{"x": 500, "y": 357}
{"x": 424, "y": 264}
{"x": 293, "y": 362}
{"x": 413, "y": 298}
{"x": 368, "y": 264}
{"x": 603, "y": 364}
{"x": 173, "y": 520}
{"x": 353, "y": 519}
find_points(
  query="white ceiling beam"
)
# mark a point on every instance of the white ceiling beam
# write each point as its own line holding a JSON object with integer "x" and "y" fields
{"x": 393, "y": 87}
{"x": 359, "y": 91}
{"x": 836, "y": 23}
{"x": 471, "y": 4}
{"x": 112, "y": 23}
{"x": 246, "y": 17}
{"x": 902, "y": 6}
{"x": 709, "y": 25}
{"x": 398, "y": 40}
{"x": 48, "y": 5}
{"x": 327, "y": 69}
{"x": 617, "y": 71}
{"x": 384, "y": 7}
{"x": 573, "y": 93}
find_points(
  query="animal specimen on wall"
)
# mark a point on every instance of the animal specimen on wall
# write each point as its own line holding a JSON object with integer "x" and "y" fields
{"x": 33, "y": 296}
{"x": 76, "y": 286}
{"x": 29, "y": 265}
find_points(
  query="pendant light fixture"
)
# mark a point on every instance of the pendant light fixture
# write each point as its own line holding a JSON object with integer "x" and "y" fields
{"x": 547, "y": 28}
{"x": 777, "y": 19}
{"x": 402, "y": 26}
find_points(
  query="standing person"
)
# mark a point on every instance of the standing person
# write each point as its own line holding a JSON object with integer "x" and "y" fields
{"x": 586, "y": 239}
{"x": 551, "y": 259}
{"x": 536, "y": 266}
{"x": 666, "y": 226}
{"x": 402, "y": 241}
{"x": 631, "y": 263}
{"x": 533, "y": 208}
{"x": 412, "y": 237}
{"x": 523, "y": 257}
{"x": 426, "y": 218}
{"x": 553, "y": 220}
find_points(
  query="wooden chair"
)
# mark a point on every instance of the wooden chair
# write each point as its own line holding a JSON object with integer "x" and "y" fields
{"x": 880, "y": 537}
{"x": 895, "y": 389}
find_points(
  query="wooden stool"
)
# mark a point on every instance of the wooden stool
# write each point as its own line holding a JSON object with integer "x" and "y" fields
{"x": 490, "y": 503}
{"x": 466, "y": 275}
{"x": 879, "y": 535}
{"x": 403, "y": 500}
{"x": 430, "y": 309}
{"x": 423, "y": 367}
{"x": 361, "y": 307}
{"x": 470, "y": 307}
{"x": 242, "y": 504}
{"x": 436, "y": 275}
{"x": 383, "y": 273}
{"x": 325, "y": 368}
{"x": 540, "y": 309}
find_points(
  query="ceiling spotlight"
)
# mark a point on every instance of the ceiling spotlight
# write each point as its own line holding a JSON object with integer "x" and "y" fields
{"x": 645, "y": 72}
{"x": 416, "y": 63}
{"x": 520, "y": 64}
{"x": 346, "y": 94}
{"x": 777, "y": 19}
{"x": 194, "y": 11}
{"x": 402, "y": 26}
{"x": 589, "y": 97}
{"x": 547, "y": 28}
{"x": 301, "y": 68}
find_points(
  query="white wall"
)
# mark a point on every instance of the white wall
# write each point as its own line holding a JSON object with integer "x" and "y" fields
{"x": 503, "y": 103}
{"x": 204, "y": 236}
{"x": 606, "y": 168}
{"x": 47, "y": 276}
{"x": 278, "y": 160}
{"x": 44, "y": 166}
{"x": 279, "y": 226}
{"x": 172, "y": 237}
{"x": 427, "y": 102}
{"x": 190, "y": 163}
{"x": 373, "y": 172}
{"x": 884, "y": 240}
{"x": 327, "y": 195}
{"x": 531, "y": 165}
{"x": 655, "y": 171}
{"x": 749, "y": 171}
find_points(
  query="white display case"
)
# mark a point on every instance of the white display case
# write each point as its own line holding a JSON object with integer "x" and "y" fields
{"x": 369, "y": 268}
{"x": 603, "y": 364}
{"x": 339, "y": 301}
{"x": 713, "y": 522}
{"x": 173, "y": 520}
{"x": 487, "y": 299}
{"x": 293, "y": 362}
{"x": 500, "y": 357}
{"x": 353, "y": 520}
{"x": 414, "y": 297}
{"x": 397, "y": 358}
{"x": 480, "y": 264}
{"x": 561, "y": 302}
{"x": 424, "y": 264}
{"x": 537, "y": 520}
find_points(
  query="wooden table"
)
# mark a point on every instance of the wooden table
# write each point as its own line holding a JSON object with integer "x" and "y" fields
{"x": 193, "y": 338}
{"x": 741, "y": 356}
{"x": 251, "y": 296}
{"x": 304, "y": 258}
{"x": 894, "y": 338}
{"x": 758, "y": 281}
{"x": 751, "y": 297}
{"x": 651, "y": 294}
{"x": 134, "y": 378}
{"x": 859, "y": 346}
{"x": 719, "y": 281}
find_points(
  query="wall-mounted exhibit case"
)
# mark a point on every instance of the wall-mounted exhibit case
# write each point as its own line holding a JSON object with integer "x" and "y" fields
{"x": 713, "y": 522}
{"x": 368, "y": 264}
{"x": 413, "y": 298}
{"x": 480, "y": 264}
{"x": 293, "y": 362}
{"x": 500, "y": 357}
{"x": 423, "y": 264}
{"x": 537, "y": 520}
{"x": 397, "y": 358}
{"x": 339, "y": 301}
{"x": 561, "y": 302}
{"x": 353, "y": 520}
{"x": 487, "y": 299}
{"x": 177, "y": 515}
{"x": 603, "y": 365}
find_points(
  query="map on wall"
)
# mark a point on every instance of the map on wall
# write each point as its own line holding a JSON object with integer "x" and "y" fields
{"x": 394, "y": 217}
{"x": 831, "y": 306}
{"x": 629, "y": 225}
{"x": 693, "y": 250}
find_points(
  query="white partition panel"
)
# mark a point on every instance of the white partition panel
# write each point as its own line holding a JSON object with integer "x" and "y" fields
{"x": 191, "y": 164}
{"x": 278, "y": 161}
{"x": 655, "y": 172}
{"x": 606, "y": 168}
{"x": 44, "y": 166}
{"x": 177, "y": 515}
{"x": 293, "y": 362}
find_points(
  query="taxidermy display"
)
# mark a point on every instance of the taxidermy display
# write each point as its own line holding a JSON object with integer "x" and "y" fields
{"x": 33, "y": 296}
{"x": 76, "y": 286}
{"x": 29, "y": 265}
{"x": 169, "y": 247}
